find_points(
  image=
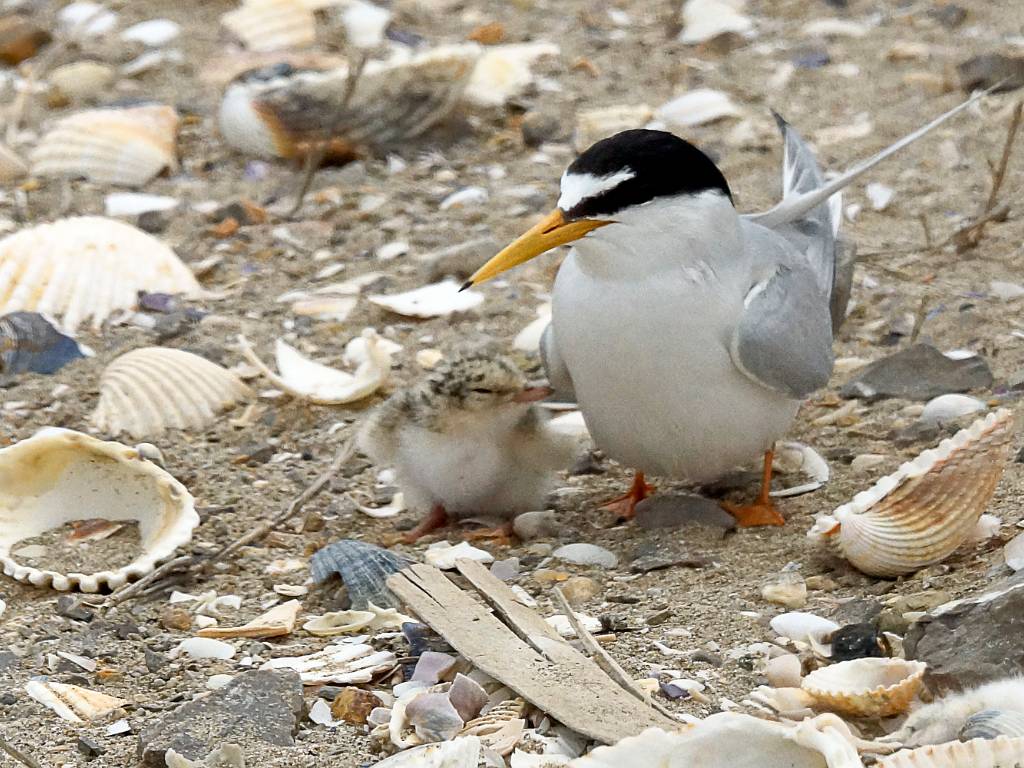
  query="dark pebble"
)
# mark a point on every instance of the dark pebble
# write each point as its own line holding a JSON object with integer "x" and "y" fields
{"x": 89, "y": 748}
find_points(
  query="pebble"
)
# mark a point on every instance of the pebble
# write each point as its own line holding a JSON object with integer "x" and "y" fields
{"x": 821, "y": 583}
{"x": 675, "y": 510}
{"x": 175, "y": 617}
{"x": 546, "y": 576}
{"x": 70, "y": 607}
{"x": 205, "y": 648}
{"x": 580, "y": 589}
{"x": 946, "y": 408}
{"x": 82, "y": 80}
{"x": 538, "y": 127}
{"x": 506, "y": 570}
{"x": 582, "y": 553}
{"x": 540, "y": 524}
{"x": 784, "y": 671}
{"x": 865, "y": 462}
{"x": 660, "y": 561}
{"x": 89, "y": 748}
{"x": 790, "y": 590}
{"x": 1013, "y": 553}
{"x": 984, "y": 71}
{"x": 856, "y": 641}
{"x": 354, "y": 705}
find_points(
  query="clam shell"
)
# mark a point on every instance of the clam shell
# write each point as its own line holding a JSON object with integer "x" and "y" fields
{"x": 127, "y": 146}
{"x": 271, "y": 25}
{"x": 363, "y": 568}
{"x": 339, "y": 623}
{"x": 58, "y": 476}
{"x": 870, "y": 687}
{"x": 1003, "y": 752}
{"x": 342, "y": 664}
{"x": 462, "y": 752}
{"x": 147, "y": 391}
{"x": 71, "y": 702}
{"x": 993, "y": 723}
{"x": 56, "y": 268}
{"x": 921, "y": 513}
{"x": 278, "y": 621}
{"x": 30, "y": 343}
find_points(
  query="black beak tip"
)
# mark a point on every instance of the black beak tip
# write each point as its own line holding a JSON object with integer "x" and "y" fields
{"x": 465, "y": 285}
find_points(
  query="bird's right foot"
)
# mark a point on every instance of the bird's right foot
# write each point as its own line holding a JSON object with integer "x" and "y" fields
{"x": 624, "y": 507}
{"x": 435, "y": 519}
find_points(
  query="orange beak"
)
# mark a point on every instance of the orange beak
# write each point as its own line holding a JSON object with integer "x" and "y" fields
{"x": 532, "y": 394}
{"x": 550, "y": 232}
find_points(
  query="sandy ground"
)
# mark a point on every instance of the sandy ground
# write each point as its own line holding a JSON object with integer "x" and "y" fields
{"x": 943, "y": 181}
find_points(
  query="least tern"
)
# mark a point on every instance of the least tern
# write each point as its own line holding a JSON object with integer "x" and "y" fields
{"x": 690, "y": 333}
{"x": 468, "y": 441}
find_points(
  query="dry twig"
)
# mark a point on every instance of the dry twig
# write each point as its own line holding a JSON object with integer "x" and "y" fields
{"x": 21, "y": 757}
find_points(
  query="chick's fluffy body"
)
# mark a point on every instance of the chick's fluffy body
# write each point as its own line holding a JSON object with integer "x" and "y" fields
{"x": 460, "y": 440}
{"x": 942, "y": 720}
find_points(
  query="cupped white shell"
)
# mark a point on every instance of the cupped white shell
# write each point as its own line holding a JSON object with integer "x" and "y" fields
{"x": 922, "y": 512}
{"x": 147, "y": 391}
{"x": 271, "y": 25}
{"x": 56, "y": 268}
{"x": 869, "y": 687}
{"x": 58, "y": 476}
{"x": 127, "y": 146}
{"x": 1004, "y": 752}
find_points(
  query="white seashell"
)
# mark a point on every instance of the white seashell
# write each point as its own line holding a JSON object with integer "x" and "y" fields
{"x": 291, "y": 590}
{"x": 788, "y": 590}
{"x": 131, "y": 204}
{"x": 153, "y": 33}
{"x": 3, "y": 607}
{"x": 308, "y": 380}
{"x": 58, "y": 476}
{"x": 225, "y": 756}
{"x": 504, "y": 71}
{"x": 365, "y": 23}
{"x": 840, "y": 134}
{"x": 429, "y": 358}
{"x": 344, "y": 622}
{"x": 339, "y": 664}
{"x": 705, "y": 20}
{"x": 86, "y": 19}
{"x": 54, "y": 269}
{"x": 866, "y": 687}
{"x": 463, "y": 198}
{"x": 1013, "y": 553}
{"x": 272, "y": 25}
{"x": 1003, "y": 752}
{"x": 436, "y": 300}
{"x": 443, "y": 555}
{"x": 1006, "y": 291}
{"x": 279, "y": 620}
{"x": 834, "y": 28}
{"x": 128, "y": 146}
{"x": 563, "y": 627}
{"x": 216, "y": 682}
{"x": 596, "y": 124}
{"x": 389, "y": 510}
{"x": 71, "y": 702}
{"x": 802, "y": 627}
{"x": 733, "y": 740}
{"x": 946, "y": 408}
{"x": 986, "y": 528}
{"x": 461, "y": 752}
{"x": 797, "y": 457}
{"x": 528, "y": 339}
{"x": 204, "y": 648}
{"x": 147, "y": 391}
{"x": 697, "y": 107}
{"x": 921, "y": 513}
{"x": 82, "y": 80}
{"x": 784, "y": 671}
{"x": 879, "y": 194}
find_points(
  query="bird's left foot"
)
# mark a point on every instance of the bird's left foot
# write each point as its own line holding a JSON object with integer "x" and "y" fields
{"x": 761, "y": 512}
{"x": 624, "y": 507}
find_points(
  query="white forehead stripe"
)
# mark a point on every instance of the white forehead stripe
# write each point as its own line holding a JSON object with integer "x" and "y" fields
{"x": 580, "y": 186}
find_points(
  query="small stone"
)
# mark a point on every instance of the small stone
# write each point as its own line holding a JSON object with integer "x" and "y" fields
{"x": 7, "y": 699}
{"x": 82, "y": 80}
{"x": 789, "y": 590}
{"x": 154, "y": 661}
{"x": 546, "y": 576}
{"x": 676, "y": 510}
{"x": 432, "y": 667}
{"x": 784, "y": 671}
{"x": 580, "y": 589}
{"x": 89, "y": 748}
{"x": 443, "y": 555}
{"x": 459, "y": 260}
{"x": 988, "y": 69}
{"x": 920, "y": 372}
{"x": 20, "y": 39}
{"x": 329, "y": 692}
{"x": 821, "y": 583}
{"x": 539, "y": 127}
{"x": 353, "y": 705}
{"x": 658, "y": 562}
{"x": 175, "y": 617}
{"x": 588, "y": 463}
{"x": 506, "y": 570}
{"x": 865, "y": 462}
{"x": 582, "y": 553}
{"x": 948, "y": 15}
{"x": 71, "y": 607}
{"x": 540, "y": 524}
{"x": 659, "y": 617}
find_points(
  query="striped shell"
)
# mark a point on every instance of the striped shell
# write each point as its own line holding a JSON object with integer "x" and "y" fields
{"x": 363, "y": 568}
{"x": 147, "y": 391}
{"x": 921, "y": 513}
{"x": 271, "y": 25}
{"x": 1004, "y": 752}
{"x": 71, "y": 702}
{"x": 870, "y": 687}
{"x": 57, "y": 269}
{"x": 127, "y": 146}
{"x": 993, "y": 723}
{"x": 58, "y": 476}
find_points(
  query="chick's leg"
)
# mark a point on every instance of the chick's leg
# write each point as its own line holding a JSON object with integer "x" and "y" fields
{"x": 436, "y": 518}
{"x": 624, "y": 507}
{"x": 502, "y": 535}
{"x": 762, "y": 511}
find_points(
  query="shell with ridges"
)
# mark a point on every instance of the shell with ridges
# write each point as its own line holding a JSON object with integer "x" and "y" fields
{"x": 363, "y": 568}
{"x": 278, "y": 621}
{"x": 73, "y": 703}
{"x": 127, "y": 146}
{"x": 58, "y": 475}
{"x": 148, "y": 391}
{"x": 1003, "y": 752}
{"x": 993, "y": 723}
{"x": 342, "y": 664}
{"x": 921, "y": 513}
{"x": 55, "y": 269}
{"x": 270, "y": 25}
{"x": 870, "y": 687}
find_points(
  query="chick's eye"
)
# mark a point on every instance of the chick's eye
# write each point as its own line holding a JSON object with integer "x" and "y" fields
{"x": 483, "y": 391}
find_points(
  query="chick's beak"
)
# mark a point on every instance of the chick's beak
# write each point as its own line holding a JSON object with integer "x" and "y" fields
{"x": 550, "y": 232}
{"x": 533, "y": 394}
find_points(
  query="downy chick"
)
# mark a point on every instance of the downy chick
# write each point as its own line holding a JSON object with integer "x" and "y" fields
{"x": 467, "y": 441}
{"x": 942, "y": 720}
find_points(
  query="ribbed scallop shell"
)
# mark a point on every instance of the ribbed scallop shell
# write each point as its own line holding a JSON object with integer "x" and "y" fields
{"x": 921, "y": 513}
{"x": 364, "y": 569}
{"x": 993, "y": 723}
{"x": 58, "y": 476}
{"x": 86, "y": 268}
{"x": 866, "y": 687}
{"x": 148, "y": 391}
{"x": 271, "y": 25}
{"x": 127, "y": 146}
{"x": 1004, "y": 752}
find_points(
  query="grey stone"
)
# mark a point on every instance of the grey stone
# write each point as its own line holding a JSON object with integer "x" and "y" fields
{"x": 71, "y": 607}
{"x": 260, "y": 705}
{"x": 459, "y": 260}
{"x": 920, "y": 372}
{"x": 676, "y": 510}
{"x": 539, "y": 126}
{"x": 540, "y": 524}
{"x": 657, "y": 562}
{"x": 582, "y": 553}
{"x": 89, "y": 748}
{"x": 990, "y": 69}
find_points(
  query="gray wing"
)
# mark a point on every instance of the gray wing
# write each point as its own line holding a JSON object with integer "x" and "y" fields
{"x": 554, "y": 366}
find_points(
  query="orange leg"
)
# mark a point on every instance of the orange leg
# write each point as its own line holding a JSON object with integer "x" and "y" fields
{"x": 437, "y": 518}
{"x": 624, "y": 507}
{"x": 762, "y": 511}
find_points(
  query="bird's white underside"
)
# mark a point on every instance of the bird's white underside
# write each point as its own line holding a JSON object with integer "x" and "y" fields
{"x": 577, "y": 187}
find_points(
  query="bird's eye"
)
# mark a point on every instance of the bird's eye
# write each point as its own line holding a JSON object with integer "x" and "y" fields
{"x": 483, "y": 391}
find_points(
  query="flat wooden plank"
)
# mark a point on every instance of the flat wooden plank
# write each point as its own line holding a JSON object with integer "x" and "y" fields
{"x": 568, "y": 686}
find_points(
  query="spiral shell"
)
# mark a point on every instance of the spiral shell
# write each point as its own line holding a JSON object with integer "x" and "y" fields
{"x": 363, "y": 568}
{"x": 1003, "y": 752}
{"x": 58, "y": 476}
{"x": 86, "y": 268}
{"x": 271, "y": 25}
{"x": 128, "y": 147}
{"x": 148, "y": 391}
{"x": 993, "y": 723}
{"x": 870, "y": 687}
{"x": 921, "y": 513}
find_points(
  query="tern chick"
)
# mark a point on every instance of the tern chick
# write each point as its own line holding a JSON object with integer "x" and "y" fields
{"x": 942, "y": 720}
{"x": 468, "y": 441}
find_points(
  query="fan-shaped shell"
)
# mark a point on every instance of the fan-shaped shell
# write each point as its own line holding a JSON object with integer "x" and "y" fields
{"x": 1004, "y": 752}
{"x": 363, "y": 568}
{"x": 271, "y": 25}
{"x": 58, "y": 476}
{"x": 869, "y": 687}
{"x": 921, "y": 513}
{"x": 86, "y": 268}
{"x": 148, "y": 391}
{"x": 993, "y": 723}
{"x": 127, "y": 146}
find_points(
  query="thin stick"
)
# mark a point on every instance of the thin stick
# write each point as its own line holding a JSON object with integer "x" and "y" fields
{"x": 21, "y": 757}
{"x": 1004, "y": 160}
{"x": 919, "y": 317}
{"x": 131, "y": 590}
{"x": 603, "y": 659}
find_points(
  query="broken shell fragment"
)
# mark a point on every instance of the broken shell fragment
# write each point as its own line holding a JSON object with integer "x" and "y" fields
{"x": 364, "y": 569}
{"x": 55, "y": 268}
{"x": 12, "y": 167}
{"x": 462, "y": 752}
{"x": 921, "y": 513}
{"x": 30, "y": 344}
{"x": 433, "y": 717}
{"x": 279, "y": 620}
{"x": 71, "y": 702}
{"x": 1003, "y": 752}
{"x": 596, "y": 124}
{"x": 993, "y": 723}
{"x": 338, "y": 664}
{"x": 309, "y": 380}
{"x": 58, "y": 476}
{"x": 504, "y": 71}
{"x": 705, "y": 20}
{"x": 270, "y": 25}
{"x": 697, "y": 107}
{"x": 147, "y": 391}
{"x": 870, "y": 687}
{"x": 345, "y": 622}
{"x": 436, "y": 300}
{"x": 127, "y": 146}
